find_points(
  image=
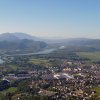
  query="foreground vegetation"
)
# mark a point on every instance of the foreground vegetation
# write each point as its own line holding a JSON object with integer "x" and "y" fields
{"x": 9, "y": 90}
{"x": 97, "y": 89}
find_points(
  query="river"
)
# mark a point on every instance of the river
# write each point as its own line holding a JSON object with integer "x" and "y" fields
{"x": 46, "y": 51}
{"x": 1, "y": 61}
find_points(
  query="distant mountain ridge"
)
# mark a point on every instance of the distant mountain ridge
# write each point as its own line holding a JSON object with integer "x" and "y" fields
{"x": 71, "y": 41}
{"x": 16, "y": 36}
{"x": 20, "y": 41}
{"x": 8, "y": 37}
{"x": 24, "y": 44}
{"x": 81, "y": 41}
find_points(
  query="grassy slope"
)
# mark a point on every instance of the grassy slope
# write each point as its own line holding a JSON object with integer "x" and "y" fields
{"x": 97, "y": 89}
{"x": 11, "y": 90}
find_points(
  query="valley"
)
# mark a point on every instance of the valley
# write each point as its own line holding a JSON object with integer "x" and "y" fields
{"x": 49, "y": 49}
{"x": 56, "y": 72}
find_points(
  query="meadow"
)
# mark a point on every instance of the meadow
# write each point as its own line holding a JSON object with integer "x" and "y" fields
{"x": 93, "y": 56}
{"x": 97, "y": 89}
{"x": 40, "y": 62}
{"x": 10, "y": 90}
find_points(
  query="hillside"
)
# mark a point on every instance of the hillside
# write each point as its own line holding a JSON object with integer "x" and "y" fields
{"x": 8, "y": 37}
{"x": 16, "y": 36}
{"x": 23, "y": 41}
{"x": 20, "y": 42}
{"x": 22, "y": 45}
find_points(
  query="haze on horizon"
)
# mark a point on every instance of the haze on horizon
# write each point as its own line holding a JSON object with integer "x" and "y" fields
{"x": 51, "y": 18}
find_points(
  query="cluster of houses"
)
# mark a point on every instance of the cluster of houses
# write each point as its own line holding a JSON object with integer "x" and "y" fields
{"x": 58, "y": 76}
{"x": 76, "y": 81}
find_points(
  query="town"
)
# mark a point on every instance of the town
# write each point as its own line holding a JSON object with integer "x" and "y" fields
{"x": 49, "y": 78}
{"x": 49, "y": 49}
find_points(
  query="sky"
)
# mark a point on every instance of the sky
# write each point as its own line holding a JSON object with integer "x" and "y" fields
{"x": 51, "y": 18}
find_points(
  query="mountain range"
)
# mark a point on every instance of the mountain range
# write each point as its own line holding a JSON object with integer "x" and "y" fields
{"x": 20, "y": 36}
{"x": 20, "y": 41}
{"x": 16, "y": 36}
{"x": 23, "y": 41}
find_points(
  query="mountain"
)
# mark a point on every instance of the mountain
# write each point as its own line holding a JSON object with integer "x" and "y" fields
{"x": 16, "y": 36}
{"x": 21, "y": 42}
{"x": 18, "y": 39}
{"x": 8, "y": 37}
{"x": 76, "y": 41}
{"x": 21, "y": 35}
{"x": 78, "y": 44}
{"x": 82, "y": 41}
{"x": 22, "y": 45}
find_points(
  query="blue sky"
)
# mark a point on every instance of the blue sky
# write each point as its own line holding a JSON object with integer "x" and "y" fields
{"x": 51, "y": 18}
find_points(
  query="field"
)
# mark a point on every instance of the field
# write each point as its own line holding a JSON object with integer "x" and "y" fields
{"x": 13, "y": 67}
{"x": 11, "y": 90}
{"x": 40, "y": 62}
{"x": 94, "y": 56}
{"x": 97, "y": 89}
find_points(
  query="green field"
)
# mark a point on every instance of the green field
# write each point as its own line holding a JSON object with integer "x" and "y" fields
{"x": 10, "y": 90}
{"x": 94, "y": 56}
{"x": 97, "y": 89}
{"x": 14, "y": 67}
{"x": 41, "y": 62}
